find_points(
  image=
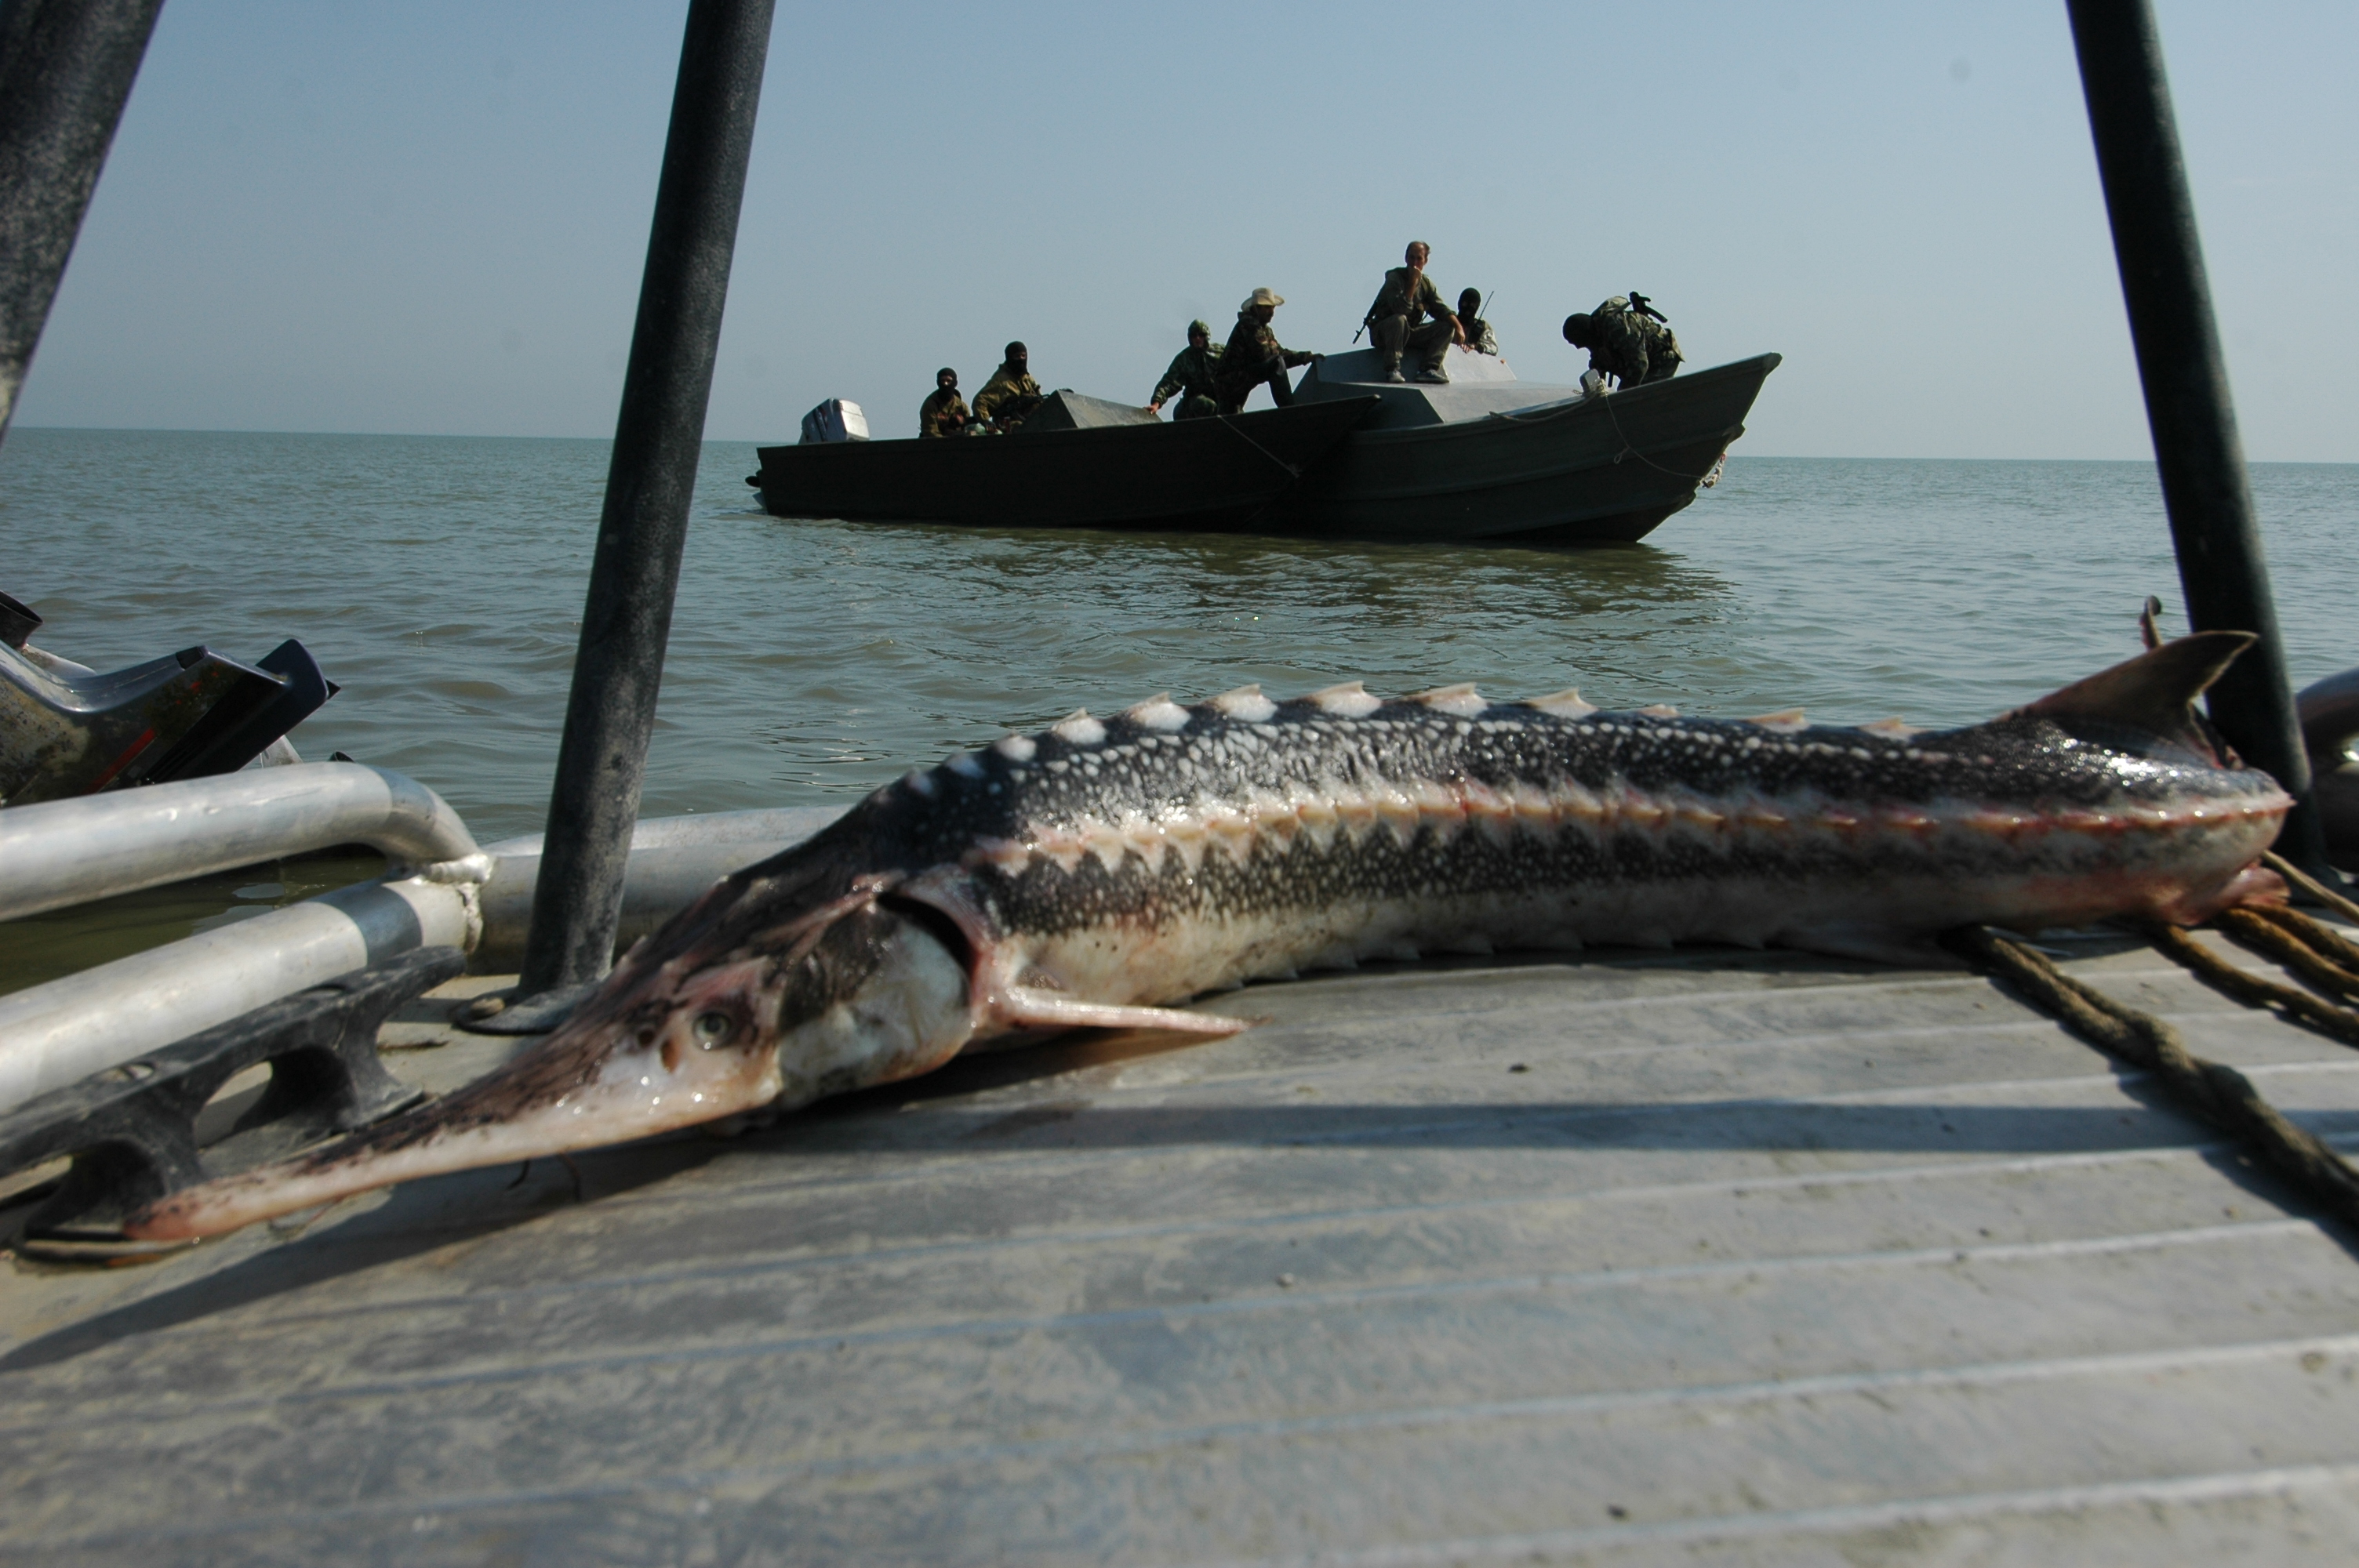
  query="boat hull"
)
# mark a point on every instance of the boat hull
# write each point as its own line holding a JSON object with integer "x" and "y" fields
{"x": 1599, "y": 471}
{"x": 1203, "y": 474}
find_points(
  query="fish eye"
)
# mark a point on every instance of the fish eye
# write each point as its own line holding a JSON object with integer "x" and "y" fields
{"x": 713, "y": 1028}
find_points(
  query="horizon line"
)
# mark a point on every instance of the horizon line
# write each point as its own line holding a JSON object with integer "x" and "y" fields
{"x": 752, "y": 441}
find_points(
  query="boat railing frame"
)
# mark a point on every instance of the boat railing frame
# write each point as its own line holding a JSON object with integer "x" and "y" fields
{"x": 64, "y": 852}
{"x": 442, "y": 891}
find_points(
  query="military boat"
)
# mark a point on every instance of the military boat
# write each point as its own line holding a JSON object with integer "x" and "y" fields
{"x": 1486, "y": 457}
{"x": 1490, "y": 457}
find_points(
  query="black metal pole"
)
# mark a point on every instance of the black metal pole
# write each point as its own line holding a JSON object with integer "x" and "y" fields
{"x": 658, "y": 436}
{"x": 2204, "y": 489}
{"x": 66, "y": 69}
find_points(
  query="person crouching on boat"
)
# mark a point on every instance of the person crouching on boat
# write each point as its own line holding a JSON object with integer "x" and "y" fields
{"x": 1191, "y": 378}
{"x": 1254, "y": 357}
{"x": 1011, "y": 394}
{"x": 1479, "y": 335}
{"x": 1407, "y": 298}
{"x": 1627, "y": 338}
{"x": 944, "y": 411}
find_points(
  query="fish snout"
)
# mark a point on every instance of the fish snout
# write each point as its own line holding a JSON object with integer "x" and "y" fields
{"x": 697, "y": 1050}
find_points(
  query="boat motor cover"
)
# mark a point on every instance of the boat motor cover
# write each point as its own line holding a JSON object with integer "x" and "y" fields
{"x": 248, "y": 721}
{"x": 63, "y": 735}
{"x": 834, "y": 420}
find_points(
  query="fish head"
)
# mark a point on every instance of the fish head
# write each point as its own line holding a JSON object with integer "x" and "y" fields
{"x": 735, "y": 1006}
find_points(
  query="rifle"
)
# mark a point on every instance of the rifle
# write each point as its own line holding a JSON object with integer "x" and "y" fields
{"x": 1369, "y": 319}
{"x": 1639, "y": 303}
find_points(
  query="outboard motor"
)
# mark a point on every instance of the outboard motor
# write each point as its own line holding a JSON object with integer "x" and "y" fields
{"x": 834, "y": 420}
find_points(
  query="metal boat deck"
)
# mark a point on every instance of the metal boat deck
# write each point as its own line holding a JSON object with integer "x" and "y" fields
{"x": 1700, "y": 1255}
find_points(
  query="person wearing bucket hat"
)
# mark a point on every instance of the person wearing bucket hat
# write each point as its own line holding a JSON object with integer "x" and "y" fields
{"x": 1190, "y": 377}
{"x": 1254, "y": 357}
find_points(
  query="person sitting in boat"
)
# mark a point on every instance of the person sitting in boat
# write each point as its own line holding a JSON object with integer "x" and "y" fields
{"x": 1407, "y": 298}
{"x": 1189, "y": 378}
{"x": 1254, "y": 357}
{"x": 1627, "y": 338}
{"x": 944, "y": 411}
{"x": 1011, "y": 394}
{"x": 1477, "y": 331}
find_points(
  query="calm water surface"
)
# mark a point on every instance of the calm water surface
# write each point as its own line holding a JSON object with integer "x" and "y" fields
{"x": 441, "y": 581}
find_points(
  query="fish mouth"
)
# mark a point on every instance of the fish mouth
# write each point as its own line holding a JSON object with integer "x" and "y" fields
{"x": 712, "y": 1023}
{"x": 622, "y": 1074}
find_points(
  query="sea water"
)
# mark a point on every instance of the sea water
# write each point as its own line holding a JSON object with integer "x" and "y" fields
{"x": 441, "y": 579}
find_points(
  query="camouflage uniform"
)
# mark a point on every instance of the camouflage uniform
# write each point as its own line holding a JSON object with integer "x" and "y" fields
{"x": 1192, "y": 372}
{"x": 1393, "y": 321}
{"x": 943, "y": 404}
{"x": 1007, "y": 397}
{"x": 1254, "y": 357}
{"x": 1632, "y": 348}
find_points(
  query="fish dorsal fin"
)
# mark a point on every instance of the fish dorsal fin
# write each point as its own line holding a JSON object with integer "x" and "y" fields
{"x": 2155, "y": 692}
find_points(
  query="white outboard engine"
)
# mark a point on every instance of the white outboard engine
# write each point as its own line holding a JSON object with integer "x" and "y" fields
{"x": 836, "y": 420}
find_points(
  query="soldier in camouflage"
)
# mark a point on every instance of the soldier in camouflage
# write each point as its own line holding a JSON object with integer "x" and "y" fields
{"x": 944, "y": 411}
{"x": 1626, "y": 340}
{"x": 1190, "y": 377}
{"x": 1479, "y": 337}
{"x": 1407, "y": 298}
{"x": 1254, "y": 357}
{"x": 1011, "y": 393}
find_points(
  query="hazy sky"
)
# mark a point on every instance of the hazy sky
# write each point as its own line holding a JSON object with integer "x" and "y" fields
{"x": 430, "y": 217}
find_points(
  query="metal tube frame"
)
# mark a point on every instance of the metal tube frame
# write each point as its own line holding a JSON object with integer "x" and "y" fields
{"x": 658, "y": 439}
{"x": 2222, "y": 568}
{"x": 64, "y": 852}
{"x": 66, "y": 69}
{"x": 57, "y": 1032}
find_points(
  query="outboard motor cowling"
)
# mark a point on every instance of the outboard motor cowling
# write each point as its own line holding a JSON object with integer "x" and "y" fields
{"x": 834, "y": 420}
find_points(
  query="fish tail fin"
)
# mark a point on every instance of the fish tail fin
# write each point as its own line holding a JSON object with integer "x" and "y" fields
{"x": 2155, "y": 692}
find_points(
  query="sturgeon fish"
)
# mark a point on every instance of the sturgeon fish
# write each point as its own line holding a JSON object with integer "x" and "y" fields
{"x": 1091, "y": 875}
